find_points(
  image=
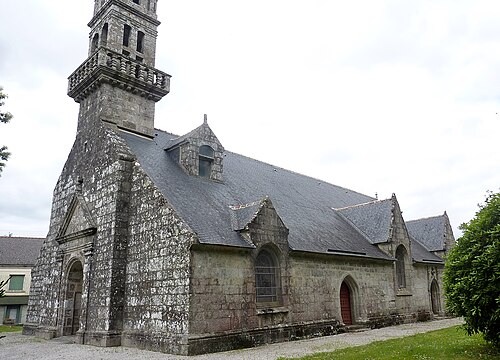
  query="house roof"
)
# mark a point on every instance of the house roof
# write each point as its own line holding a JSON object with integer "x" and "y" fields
{"x": 430, "y": 232}
{"x": 19, "y": 250}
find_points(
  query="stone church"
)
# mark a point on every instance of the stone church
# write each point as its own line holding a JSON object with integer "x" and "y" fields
{"x": 175, "y": 244}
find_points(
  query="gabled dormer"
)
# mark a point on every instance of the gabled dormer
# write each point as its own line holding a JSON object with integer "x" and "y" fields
{"x": 198, "y": 153}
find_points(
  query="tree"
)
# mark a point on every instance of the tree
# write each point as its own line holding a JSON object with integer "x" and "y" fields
{"x": 472, "y": 272}
{"x": 4, "y": 118}
{"x": 2, "y": 285}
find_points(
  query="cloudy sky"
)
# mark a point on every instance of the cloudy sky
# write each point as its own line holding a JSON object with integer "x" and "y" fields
{"x": 377, "y": 96}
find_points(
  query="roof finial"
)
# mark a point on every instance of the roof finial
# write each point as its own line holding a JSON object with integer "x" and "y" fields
{"x": 376, "y": 196}
{"x": 205, "y": 119}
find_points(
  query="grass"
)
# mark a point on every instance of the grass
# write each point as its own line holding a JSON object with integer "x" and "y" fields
{"x": 451, "y": 343}
{"x": 8, "y": 328}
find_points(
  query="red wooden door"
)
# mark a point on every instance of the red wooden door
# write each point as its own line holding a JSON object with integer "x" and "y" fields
{"x": 345, "y": 304}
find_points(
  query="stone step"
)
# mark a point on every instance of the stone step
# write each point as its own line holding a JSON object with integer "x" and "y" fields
{"x": 356, "y": 328}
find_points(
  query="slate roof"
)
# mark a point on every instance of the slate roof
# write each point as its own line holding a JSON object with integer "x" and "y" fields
{"x": 19, "y": 250}
{"x": 429, "y": 231}
{"x": 304, "y": 204}
{"x": 320, "y": 217}
{"x": 373, "y": 219}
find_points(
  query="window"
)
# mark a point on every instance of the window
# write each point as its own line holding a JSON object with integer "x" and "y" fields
{"x": 400, "y": 267}
{"x": 16, "y": 282}
{"x": 137, "y": 2}
{"x": 206, "y": 160}
{"x": 95, "y": 43}
{"x": 126, "y": 34}
{"x": 266, "y": 278}
{"x": 140, "y": 41}
{"x": 104, "y": 35}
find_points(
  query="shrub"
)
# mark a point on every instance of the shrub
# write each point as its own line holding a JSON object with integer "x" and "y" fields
{"x": 472, "y": 273}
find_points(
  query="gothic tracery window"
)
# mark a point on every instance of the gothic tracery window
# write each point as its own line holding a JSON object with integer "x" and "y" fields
{"x": 267, "y": 278}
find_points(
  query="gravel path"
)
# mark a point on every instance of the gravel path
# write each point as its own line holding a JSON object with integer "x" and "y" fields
{"x": 17, "y": 346}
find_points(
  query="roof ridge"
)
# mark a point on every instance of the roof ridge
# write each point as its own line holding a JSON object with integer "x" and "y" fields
{"x": 426, "y": 218}
{"x": 23, "y": 237}
{"x": 362, "y": 204}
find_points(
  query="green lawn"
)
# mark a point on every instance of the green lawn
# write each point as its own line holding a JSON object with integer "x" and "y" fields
{"x": 6, "y": 328}
{"x": 452, "y": 343}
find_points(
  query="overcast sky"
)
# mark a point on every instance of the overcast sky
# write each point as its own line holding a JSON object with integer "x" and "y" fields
{"x": 377, "y": 96}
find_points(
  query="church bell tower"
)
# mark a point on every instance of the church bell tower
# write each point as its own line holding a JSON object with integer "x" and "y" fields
{"x": 118, "y": 83}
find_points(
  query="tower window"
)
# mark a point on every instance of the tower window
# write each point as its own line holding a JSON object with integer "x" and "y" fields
{"x": 206, "y": 160}
{"x": 137, "y": 2}
{"x": 140, "y": 41}
{"x": 126, "y": 34}
{"x": 104, "y": 35}
{"x": 95, "y": 43}
{"x": 267, "y": 279}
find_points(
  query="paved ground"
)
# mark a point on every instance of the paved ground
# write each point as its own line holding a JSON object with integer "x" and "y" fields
{"x": 17, "y": 346}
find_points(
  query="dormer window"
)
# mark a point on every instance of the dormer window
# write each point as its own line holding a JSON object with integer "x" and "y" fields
{"x": 206, "y": 159}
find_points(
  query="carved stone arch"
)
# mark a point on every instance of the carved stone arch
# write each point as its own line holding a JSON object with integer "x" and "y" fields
{"x": 71, "y": 295}
{"x": 75, "y": 238}
{"x": 350, "y": 285}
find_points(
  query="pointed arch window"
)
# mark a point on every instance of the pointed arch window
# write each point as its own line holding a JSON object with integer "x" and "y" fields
{"x": 206, "y": 160}
{"x": 400, "y": 267}
{"x": 267, "y": 278}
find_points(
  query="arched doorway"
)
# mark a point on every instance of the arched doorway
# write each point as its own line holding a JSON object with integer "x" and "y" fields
{"x": 345, "y": 304}
{"x": 435, "y": 297}
{"x": 73, "y": 299}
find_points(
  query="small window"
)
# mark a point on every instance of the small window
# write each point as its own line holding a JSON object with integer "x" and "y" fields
{"x": 104, "y": 35}
{"x": 206, "y": 160}
{"x": 267, "y": 278}
{"x": 140, "y": 41}
{"x": 400, "y": 267}
{"x": 126, "y": 34}
{"x": 16, "y": 282}
{"x": 149, "y": 5}
{"x": 137, "y": 2}
{"x": 95, "y": 43}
